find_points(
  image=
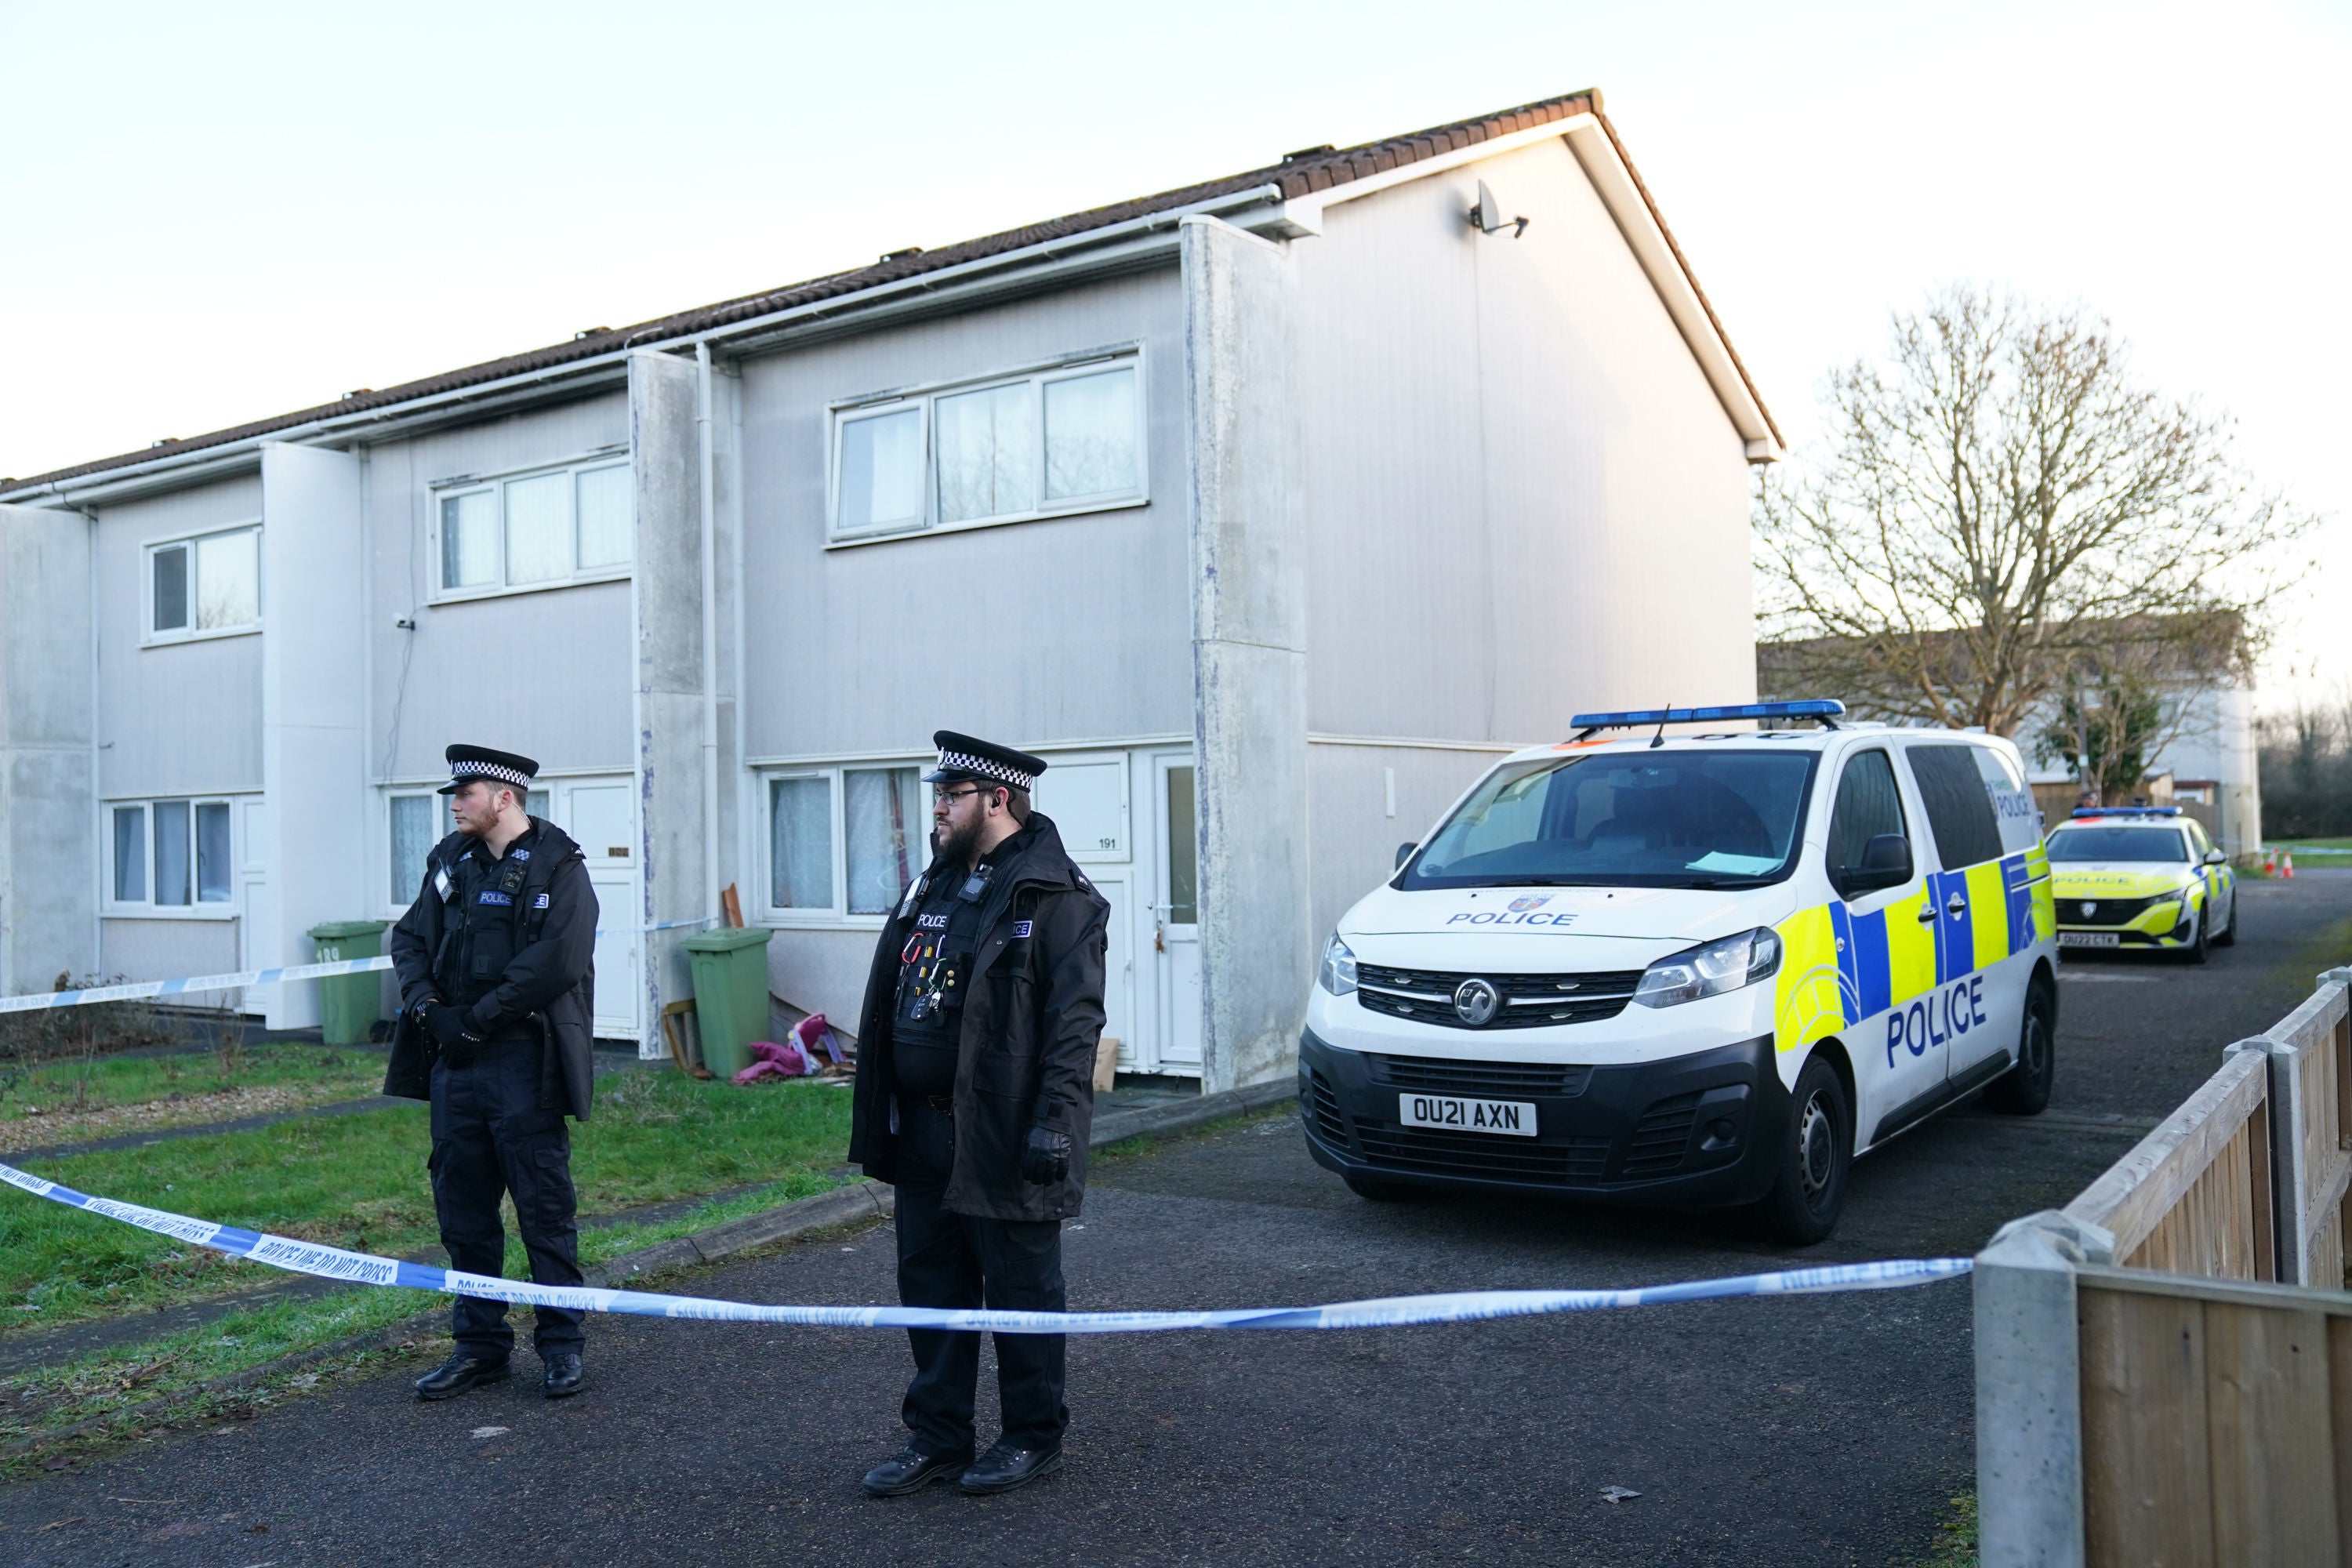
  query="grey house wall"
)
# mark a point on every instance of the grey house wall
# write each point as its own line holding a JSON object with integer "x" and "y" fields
{"x": 1066, "y": 630}
{"x": 49, "y": 896}
{"x": 452, "y": 677}
{"x": 1523, "y": 499}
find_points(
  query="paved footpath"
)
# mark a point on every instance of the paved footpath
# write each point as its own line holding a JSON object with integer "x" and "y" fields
{"x": 1824, "y": 1430}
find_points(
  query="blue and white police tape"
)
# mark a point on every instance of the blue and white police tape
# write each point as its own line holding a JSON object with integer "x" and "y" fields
{"x": 1465, "y": 1306}
{"x": 141, "y": 990}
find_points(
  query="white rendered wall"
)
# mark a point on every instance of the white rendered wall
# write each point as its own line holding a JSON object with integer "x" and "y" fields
{"x": 313, "y": 734}
{"x": 1523, "y": 499}
{"x": 49, "y": 844}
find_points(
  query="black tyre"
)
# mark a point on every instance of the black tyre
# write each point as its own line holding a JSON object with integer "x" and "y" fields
{"x": 1380, "y": 1192}
{"x": 2024, "y": 1089}
{"x": 1803, "y": 1204}
{"x": 2228, "y": 935}
{"x": 2199, "y": 945}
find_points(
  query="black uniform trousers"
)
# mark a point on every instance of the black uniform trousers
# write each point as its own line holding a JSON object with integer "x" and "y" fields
{"x": 963, "y": 1260}
{"x": 491, "y": 1137}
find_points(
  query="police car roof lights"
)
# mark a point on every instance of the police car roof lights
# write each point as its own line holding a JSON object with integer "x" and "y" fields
{"x": 2127, "y": 811}
{"x": 1826, "y": 709}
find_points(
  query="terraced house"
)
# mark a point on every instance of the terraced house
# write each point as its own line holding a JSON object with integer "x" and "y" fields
{"x": 1268, "y": 510}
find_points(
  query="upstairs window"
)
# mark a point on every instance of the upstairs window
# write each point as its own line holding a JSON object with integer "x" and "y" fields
{"x": 209, "y": 585}
{"x": 538, "y": 529}
{"x": 1070, "y": 438}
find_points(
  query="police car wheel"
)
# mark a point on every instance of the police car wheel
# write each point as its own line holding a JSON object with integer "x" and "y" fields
{"x": 2024, "y": 1089}
{"x": 1803, "y": 1204}
{"x": 2228, "y": 935}
{"x": 2194, "y": 950}
{"x": 1380, "y": 1192}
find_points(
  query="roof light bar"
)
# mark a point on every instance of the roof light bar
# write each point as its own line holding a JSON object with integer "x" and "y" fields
{"x": 1823, "y": 708}
{"x": 2127, "y": 811}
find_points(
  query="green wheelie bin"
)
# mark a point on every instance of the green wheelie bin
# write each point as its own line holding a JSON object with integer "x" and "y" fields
{"x": 731, "y": 995}
{"x": 350, "y": 1004}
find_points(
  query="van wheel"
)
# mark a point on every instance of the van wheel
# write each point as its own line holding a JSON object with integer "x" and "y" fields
{"x": 1803, "y": 1206}
{"x": 2024, "y": 1089}
{"x": 1384, "y": 1192}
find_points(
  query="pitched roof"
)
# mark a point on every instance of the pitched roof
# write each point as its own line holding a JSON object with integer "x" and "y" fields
{"x": 1301, "y": 174}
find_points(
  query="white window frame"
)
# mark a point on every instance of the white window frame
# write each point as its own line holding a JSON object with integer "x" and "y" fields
{"x": 1036, "y": 375}
{"x": 836, "y": 917}
{"x": 441, "y": 490}
{"x": 189, "y": 539}
{"x": 194, "y": 909}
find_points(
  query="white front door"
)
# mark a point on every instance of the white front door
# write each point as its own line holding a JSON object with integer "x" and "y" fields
{"x": 598, "y": 813}
{"x": 1086, "y": 797}
{"x": 1176, "y": 930}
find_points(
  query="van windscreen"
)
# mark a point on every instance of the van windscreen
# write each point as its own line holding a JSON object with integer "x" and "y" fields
{"x": 1678, "y": 820}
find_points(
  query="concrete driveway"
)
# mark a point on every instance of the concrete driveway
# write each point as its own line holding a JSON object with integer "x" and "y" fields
{"x": 1824, "y": 1430}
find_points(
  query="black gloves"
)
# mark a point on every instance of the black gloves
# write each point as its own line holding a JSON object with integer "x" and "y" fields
{"x": 1047, "y": 1157}
{"x": 447, "y": 1024}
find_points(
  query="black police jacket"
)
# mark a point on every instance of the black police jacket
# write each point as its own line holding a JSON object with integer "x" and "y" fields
{"x": 1025, "y": 1052}
{"x": 531, "y": 965}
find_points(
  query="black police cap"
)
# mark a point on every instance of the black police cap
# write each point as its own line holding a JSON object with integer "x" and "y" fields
{"x": 969, "y": 757}
{"x": 469, "y": 762}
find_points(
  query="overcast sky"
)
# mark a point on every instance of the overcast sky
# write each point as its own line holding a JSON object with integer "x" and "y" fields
{"x": 221, "y": 213}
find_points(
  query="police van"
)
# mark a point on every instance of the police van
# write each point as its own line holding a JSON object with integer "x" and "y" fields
{"x": 2143, "y": 878}
{"x": 1691, "y": 969}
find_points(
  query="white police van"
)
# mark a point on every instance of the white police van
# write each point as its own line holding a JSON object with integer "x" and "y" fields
{"x": 1691, "y": 969}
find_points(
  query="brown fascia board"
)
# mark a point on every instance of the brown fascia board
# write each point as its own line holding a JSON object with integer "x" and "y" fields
{"x": 1295, "y": 177}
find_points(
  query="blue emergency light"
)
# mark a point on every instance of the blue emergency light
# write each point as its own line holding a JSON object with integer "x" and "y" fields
{"x": 1823, "y": 708}
{"x": 2127, "y": 811}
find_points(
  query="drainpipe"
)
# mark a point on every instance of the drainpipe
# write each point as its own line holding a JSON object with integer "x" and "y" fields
{"x": 710, "y": 632}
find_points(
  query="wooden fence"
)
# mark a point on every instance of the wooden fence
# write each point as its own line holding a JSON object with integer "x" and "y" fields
{"x": 2159, "y": 1380}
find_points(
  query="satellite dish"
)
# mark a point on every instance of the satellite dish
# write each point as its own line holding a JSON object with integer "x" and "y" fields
{"x": 1487, "y": 218}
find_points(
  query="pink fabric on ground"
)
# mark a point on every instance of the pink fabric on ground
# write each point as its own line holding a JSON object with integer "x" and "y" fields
{"x": 776, "y": 1061}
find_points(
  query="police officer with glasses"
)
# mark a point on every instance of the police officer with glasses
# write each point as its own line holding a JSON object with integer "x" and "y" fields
{"x": 496, "y": 965}
{"x": 976, "y": 1090}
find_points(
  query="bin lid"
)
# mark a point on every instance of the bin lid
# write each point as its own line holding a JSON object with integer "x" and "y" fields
{"x": 729, "y": 941}
{"x": 343, "y": 930}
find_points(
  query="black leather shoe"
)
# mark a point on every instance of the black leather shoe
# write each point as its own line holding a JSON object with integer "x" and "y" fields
{"x": 462, "y": 1371}
{"x": 1005, "y": 1469}
{"x": 912, "y": 1471}
{"x": 562, "y": 1377}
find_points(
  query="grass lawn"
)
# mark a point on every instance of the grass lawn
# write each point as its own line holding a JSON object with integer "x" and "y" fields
{"x": 190, "y": 1082}
{"x": 2312, "y": 844}
{"x": 359, "y": 1182}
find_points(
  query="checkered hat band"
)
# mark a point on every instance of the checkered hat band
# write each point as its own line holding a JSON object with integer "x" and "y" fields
{"x": 489, "y": 771}
{"x": 987, "y": 768}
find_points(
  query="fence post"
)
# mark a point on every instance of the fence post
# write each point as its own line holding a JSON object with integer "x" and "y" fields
{"x": 2290, "y": 1189}
{"x": 2030, "y": 1390}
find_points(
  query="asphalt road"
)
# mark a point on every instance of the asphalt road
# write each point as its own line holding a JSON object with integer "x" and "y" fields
{"x": 1814, "y": 1430}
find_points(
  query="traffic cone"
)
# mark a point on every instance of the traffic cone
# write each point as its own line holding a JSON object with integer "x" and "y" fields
{"x": 2269, "y": 861}
{"x": 2286, "y": 865}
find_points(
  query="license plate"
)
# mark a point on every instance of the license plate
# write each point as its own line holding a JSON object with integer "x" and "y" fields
{"x": 1513, "y": 1118}
{"x": 2089, "y": 938}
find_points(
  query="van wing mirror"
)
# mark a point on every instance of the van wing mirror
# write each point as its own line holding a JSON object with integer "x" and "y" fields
{"x": 1405, "y": 853}
{"x": 1885, "y": 863}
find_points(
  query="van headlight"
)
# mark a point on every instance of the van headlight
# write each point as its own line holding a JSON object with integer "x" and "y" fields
{"x": 1710, "y": 970}
{"x": 1338, "y": 974}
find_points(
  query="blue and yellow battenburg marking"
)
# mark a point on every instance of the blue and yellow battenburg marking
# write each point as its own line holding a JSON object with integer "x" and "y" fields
{"x": 1838, "y": 968}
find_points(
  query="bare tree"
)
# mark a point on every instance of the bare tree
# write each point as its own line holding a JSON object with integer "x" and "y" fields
{"x": 1997, "y": 498}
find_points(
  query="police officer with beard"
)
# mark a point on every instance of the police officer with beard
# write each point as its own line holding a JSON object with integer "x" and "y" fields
{"x": 976, "y": 1090}
{"x": 496, "y": 963}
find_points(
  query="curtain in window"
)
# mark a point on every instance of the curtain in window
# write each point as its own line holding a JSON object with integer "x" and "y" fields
{"x": 881, "y": 472}
{"x": 213, "y": 858}
{"x": 171, "y": 851}
{"x": 228, "y": 580}
{"x": 130, "y": 854}
{"x": 887, "y": 825}
{"x": 799, "y": 827}
{"x": 469, "y": 541}
{"x": 171, "y": 589}
{"x": 1090, "y": 435}
{"x": 539, "y": 529}
{"x": 986, "y": 445}
{"x": 606, "y": 511}
{"x": 413, "y": 837}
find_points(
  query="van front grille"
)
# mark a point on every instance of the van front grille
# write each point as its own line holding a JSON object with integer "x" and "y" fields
{"x": 1529, "y": 1001}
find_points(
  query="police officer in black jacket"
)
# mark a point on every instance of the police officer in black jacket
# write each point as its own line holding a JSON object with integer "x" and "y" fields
{"x": 496, "y": 965}
{"x": 976, "y": 1090}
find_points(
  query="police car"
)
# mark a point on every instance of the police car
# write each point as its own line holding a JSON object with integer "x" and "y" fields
{"x": 1690, "y": 969}
{"x": 2141, "y": 877}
